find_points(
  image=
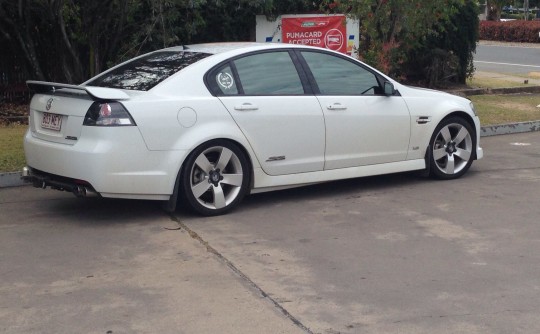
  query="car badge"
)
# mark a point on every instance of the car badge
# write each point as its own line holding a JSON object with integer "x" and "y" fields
{"x": 49, "y": 104}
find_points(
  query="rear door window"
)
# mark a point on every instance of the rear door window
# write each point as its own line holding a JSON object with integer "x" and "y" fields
{"x": 270, "y": 73}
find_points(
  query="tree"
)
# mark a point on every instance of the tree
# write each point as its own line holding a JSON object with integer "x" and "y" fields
{"x": 17, "y": 28}
{"x": 447, "y": 55}
{"x": 72, "y": 40}
{"x": 393, "y": 31}
{"x": 495, "y": 9}
{"x": 55, "y": 36}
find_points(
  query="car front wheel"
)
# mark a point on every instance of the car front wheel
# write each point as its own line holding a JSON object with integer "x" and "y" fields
{"x": 452, "y": 145}
{"x": 215, "y": 177}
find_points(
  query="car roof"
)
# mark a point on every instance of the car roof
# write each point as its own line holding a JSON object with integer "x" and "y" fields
{"x": 220, "y": 47}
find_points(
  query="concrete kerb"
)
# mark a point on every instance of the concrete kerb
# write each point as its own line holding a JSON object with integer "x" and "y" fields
{"x": 14, "y": 179}
{"x": 487, "y": 91}
{"x": 503, "y": 129}
{"x": 11, "y": 180}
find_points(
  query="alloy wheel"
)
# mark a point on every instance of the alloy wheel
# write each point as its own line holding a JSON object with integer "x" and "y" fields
{"x": 452, "y": 149}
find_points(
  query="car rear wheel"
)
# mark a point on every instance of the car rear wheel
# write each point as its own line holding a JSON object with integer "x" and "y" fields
{"x": 215, "y": 177}
{"x": 452, "y": 145}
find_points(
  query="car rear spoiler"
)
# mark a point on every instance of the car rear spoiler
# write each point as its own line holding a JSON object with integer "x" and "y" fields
{"x": 96, "y": 93}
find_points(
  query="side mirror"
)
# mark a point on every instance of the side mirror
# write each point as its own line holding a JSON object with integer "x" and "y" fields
{"x": 389, "y": 89}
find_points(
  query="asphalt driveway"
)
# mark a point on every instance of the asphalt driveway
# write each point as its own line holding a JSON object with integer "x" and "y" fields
{"x": 383, "y": 254}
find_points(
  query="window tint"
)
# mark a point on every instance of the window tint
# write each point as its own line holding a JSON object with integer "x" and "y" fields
{"x": 271, "y": 73}
{"x": 338, "y": 76}
{"x": 146, "y": 72}
{"x": 224, "y": 80}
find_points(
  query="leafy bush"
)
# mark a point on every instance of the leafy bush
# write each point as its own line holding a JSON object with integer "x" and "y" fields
{"x": 446, "y": 56}
{"x": 510, "y": 31}
{"x": 425, "y": 42}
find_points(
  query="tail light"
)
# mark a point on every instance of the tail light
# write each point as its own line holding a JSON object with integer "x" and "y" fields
{"x": 108, "y": 114}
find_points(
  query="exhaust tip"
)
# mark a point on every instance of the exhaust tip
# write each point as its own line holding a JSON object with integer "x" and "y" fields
{"x": 79, "y": 191}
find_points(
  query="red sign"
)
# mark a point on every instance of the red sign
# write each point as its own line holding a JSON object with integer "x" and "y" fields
{"x": 324, "y": 31}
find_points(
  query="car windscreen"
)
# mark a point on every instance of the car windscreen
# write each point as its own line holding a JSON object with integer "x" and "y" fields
{"x": 148, "y": 71}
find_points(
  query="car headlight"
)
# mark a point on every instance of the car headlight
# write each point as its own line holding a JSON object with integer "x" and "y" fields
{"x": 108, "y": 114}
{"x": 472, "y": 108}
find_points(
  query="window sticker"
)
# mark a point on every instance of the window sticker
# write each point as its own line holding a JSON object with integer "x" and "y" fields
{"x": 225, "y": 80}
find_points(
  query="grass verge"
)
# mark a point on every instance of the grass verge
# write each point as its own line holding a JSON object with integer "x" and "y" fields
{"x": 502, "y": 109}
{"x": 489, "y": 82}
{"x": 11, "y": 147}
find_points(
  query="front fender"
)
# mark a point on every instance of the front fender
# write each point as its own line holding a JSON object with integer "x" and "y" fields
{"x": 428, "y": 108}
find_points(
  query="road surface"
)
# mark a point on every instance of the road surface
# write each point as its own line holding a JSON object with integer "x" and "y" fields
{"x": 387, "y": 254}
{"x": 507, "y": 59}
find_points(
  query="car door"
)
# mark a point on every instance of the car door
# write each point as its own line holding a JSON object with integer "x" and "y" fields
{"x": 363, "y": 126}
{"x": 280, "y": 118}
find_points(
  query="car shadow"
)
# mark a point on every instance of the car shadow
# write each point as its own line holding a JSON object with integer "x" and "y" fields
{"x": 105, "y": 211}
{"x": 323, "y": 191}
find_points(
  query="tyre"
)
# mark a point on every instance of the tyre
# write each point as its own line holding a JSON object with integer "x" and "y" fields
{"x": 215, "y": 178}
{"x": 452, "y": 145}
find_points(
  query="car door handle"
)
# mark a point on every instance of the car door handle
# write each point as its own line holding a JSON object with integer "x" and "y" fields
{"x": 336, "y": 106}
{"x": 246, "y": 106}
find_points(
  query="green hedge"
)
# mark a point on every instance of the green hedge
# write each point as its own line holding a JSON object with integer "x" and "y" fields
{"x": 510, "y": 31}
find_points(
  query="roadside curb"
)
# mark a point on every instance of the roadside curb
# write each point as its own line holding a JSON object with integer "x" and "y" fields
{"x": 14, "y": 179}
{"x": 511, "y": 128}
{"x": 11, "y": 180}
{"x": 489, "y": 91}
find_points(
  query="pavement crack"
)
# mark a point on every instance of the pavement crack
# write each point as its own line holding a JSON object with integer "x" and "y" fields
{"x": 239, "y": 273}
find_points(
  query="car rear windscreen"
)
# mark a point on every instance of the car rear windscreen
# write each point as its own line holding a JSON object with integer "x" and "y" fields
{"x": 148, "y": 71}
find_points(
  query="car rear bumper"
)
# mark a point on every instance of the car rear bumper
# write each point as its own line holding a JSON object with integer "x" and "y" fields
{"x": 113, "y": 162}
{"x": 40, "y": 179}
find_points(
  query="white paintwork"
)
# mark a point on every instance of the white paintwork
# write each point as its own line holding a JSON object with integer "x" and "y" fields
{"x": 102, "y": 157}
{"x": 264, "y": 180}
{"x": 437, "y": 105}
{"x": 187, "y": 117}
{"x": 300, "y": 139}
{"x": 72, "y": 110}
{"x": 355, "y": 133}
{"x": 143, "y": 161}
{"x": 102, "y": 93}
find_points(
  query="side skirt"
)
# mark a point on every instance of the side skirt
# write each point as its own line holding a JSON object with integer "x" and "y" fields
{"x": 263, "y": 180}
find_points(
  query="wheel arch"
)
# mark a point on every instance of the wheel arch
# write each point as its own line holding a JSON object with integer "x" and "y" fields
{"x": 194, "y": 186}
{"x": 463, "y": 115}
{"x": 237, "y": 143}
{"x": 433, "y": 169}
{"x": 426, "y": 137}
{"x": 170, "y": 205}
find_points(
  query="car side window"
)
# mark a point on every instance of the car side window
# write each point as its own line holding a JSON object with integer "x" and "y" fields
{"x": 270, "y": 73}
{"x": 338, "y": 76}
{"x": 224, "y": 80}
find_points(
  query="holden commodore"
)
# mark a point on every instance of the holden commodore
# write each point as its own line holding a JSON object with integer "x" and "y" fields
{"x": 207, "y": 124}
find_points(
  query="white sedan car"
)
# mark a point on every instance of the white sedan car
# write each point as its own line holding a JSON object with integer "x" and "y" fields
{"x": 207, "y": 124}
